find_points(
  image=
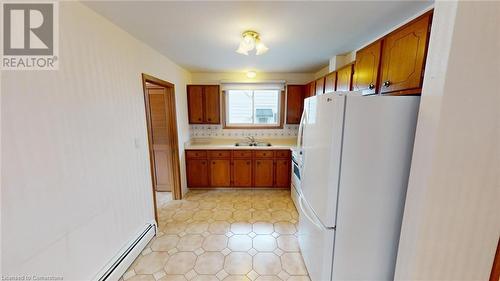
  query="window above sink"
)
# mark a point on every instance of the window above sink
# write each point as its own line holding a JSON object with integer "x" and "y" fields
{"x": 253, "y": 107}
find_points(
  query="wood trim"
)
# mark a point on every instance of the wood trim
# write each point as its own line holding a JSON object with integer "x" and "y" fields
{"x": 495, "y": 268}
{"x": 176, "y": 192}
{"x": 281, "y": 113}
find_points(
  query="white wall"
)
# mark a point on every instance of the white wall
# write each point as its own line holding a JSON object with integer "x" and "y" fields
{"x": 76, "y": 181}
{"x": 216, "y": 77}
{"x": 451, "y": 222}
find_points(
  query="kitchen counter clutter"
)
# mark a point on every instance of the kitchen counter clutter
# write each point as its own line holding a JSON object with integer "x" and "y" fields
{"x": 218, "y": 163}
{"x": 229, "y": 143}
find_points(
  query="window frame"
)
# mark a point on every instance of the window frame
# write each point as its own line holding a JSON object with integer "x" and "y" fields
{"x": 281, "y": 115}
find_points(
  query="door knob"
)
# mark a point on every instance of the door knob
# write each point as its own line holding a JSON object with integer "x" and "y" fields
{"x": 387, "y": 83}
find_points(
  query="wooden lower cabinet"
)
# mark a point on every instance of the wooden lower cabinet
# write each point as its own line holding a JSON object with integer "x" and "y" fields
{"x": 264, "y": 173}
{"x": 238, "y": 168}
{"x": 197, "y": 172}
{"x": 282, "y": 178}
{"x": 220, "y": 172}
{"x": 242, "y": 172}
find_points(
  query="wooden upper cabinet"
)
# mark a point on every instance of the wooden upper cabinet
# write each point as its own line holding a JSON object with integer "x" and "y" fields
{"x": 195, "y": 104}
{"x": 294, "y": 103}
{"x": 403, "y": 58}
{"x": 310, "y": 89}
{"x": 330, "y": 81}
{"x": 366, "y": 68}
{"x": 320, "y": 86}
{"x": 212, "y": 104}
{"x": 203, "y": 104}
{"x": 344, "y": 78}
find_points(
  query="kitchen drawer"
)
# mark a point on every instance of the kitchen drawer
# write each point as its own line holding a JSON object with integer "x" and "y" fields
{"x": 282, "y": 153}
{"x": 264, "y": 154}
{"x": 242, "y": 154}
{"x": 219, "y": 154}
{"x": 190, "y": 154}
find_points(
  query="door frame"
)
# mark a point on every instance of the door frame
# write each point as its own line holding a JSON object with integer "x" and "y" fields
{"x": 176, "y": 189}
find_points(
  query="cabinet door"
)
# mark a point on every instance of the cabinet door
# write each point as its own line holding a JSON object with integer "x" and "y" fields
{"x": 311, "y": 89}
{"x": 212, "y": 104}
{"x": 320, "y": 84}
{"x": 220, "y": 172}
{"x": 242, "y": 172}
{"x": 366, "y": 69}
{"x": 403, "y": 57}
{"x": 330, "y": 80}
{"x": 294, "y": 103}
{"x": 197, "y": 172}
{"x": 282, "y": 176}
{"x": 195, "y": 104}
{"x": 344, "y": 78}
{"x": 264, "y": 172}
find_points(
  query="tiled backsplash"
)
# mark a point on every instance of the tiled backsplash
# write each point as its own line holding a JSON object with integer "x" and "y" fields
{"x": 203, "y": 131}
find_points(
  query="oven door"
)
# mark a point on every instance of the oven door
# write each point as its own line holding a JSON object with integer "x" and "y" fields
{"x": 296, "y": 176}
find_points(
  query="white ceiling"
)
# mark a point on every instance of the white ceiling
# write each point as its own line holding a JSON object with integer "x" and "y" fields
{"x": 301, "y": 36}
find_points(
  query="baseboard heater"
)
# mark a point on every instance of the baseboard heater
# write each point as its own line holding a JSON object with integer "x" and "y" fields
{"x": 123, "y": 261}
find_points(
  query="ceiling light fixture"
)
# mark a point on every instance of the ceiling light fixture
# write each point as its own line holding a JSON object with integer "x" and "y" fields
{"x": 251, "y": 74}
{"x": 250, "y": 41}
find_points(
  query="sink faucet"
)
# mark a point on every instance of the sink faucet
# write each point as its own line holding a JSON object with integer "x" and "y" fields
{"x": 251, "y": 139}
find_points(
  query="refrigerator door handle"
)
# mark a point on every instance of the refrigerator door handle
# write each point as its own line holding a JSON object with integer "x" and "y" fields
{"x": 301, "y": 129}
{"x": 300, "y": 140}
{"x": 316, "y": 222}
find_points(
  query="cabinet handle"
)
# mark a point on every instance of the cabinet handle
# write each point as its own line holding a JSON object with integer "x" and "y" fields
{"x": 387, "y": 83}
{"x": 213, "y": 162}
{"x": 248, "y": 162}
{"x": 199, "y": 119}
{"x": 209, "y": 119}
{"x": 258, "y": 162}
{"x": 371, "y": 86}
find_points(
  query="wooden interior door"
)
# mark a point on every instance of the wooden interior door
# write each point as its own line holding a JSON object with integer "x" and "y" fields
{"x": 220, "y": 172}
{"x": 495, "y": 268}
{"x": 264, "y": 173}
{"x": 195, "y": 104}
{"x": 366, "y": 68}
{"x": 403, "y": 57}
{"x": 242, "y": 172}
{"x": 212, "y": 104}
{"x": 160, "y": 122}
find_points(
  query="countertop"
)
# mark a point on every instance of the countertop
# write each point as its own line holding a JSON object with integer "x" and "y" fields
{"x": 228, "y": 143}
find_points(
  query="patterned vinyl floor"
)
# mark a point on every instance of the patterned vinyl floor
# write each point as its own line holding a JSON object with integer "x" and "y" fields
{"x": 224, "y": 235}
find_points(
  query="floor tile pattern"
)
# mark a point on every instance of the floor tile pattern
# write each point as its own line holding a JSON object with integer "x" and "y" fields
{"x": 230, "y": 235}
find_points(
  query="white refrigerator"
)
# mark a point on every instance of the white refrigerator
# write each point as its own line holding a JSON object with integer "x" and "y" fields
{"x": 356, "y": 153}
